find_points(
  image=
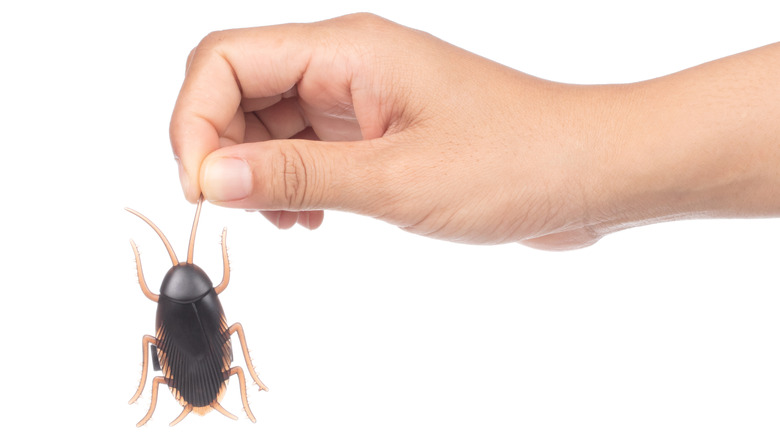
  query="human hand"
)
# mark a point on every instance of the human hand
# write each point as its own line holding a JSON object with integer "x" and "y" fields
{"x": 363, "y": 115}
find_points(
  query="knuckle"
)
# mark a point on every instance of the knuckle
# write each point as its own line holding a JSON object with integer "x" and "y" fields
{"x": 215, "y": 42}
{"x": 208, "y": 45}
{"x": 190, "y": 57}
{"x": 212, "y": 39}
{"x": 361, "y": 25}
{"x": 362, "y": 17}
{"x": 366, "y": 19}
{"x": 293, "y": 188}
{"x": 366, "y": 25}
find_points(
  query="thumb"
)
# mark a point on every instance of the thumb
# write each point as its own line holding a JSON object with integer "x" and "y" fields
{"x": 294, "y": 175}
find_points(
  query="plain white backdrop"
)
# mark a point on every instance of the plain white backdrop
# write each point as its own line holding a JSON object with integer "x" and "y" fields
{"x": 360, "y": 329}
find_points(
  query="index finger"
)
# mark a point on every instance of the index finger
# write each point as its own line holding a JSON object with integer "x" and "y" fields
{"x": 226, "y": 67}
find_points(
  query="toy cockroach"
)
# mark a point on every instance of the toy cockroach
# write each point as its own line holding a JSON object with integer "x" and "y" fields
{"x": 192, "y": 343}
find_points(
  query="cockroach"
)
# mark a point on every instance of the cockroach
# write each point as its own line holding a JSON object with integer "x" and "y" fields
{"x": 192, "y": 341}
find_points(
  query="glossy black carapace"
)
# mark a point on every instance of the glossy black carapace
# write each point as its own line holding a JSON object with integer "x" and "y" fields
{"x": 192, "y": 344}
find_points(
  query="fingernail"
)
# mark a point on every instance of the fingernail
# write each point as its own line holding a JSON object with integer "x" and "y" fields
{"x": 227, "y": 179}
{"x": 183, "y": 178}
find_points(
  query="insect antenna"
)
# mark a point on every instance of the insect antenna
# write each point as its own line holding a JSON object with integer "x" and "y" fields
{"x": 191, "y": 248}
{"x": 159, "y": 233}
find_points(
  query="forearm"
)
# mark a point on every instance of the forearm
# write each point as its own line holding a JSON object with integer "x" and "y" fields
{"x": 704, "y": 142}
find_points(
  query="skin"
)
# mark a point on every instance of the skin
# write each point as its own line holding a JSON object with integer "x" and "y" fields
{"x": 363, "y": 115}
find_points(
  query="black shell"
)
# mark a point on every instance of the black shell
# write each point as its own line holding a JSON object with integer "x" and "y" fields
{"x": 194, "y": 348}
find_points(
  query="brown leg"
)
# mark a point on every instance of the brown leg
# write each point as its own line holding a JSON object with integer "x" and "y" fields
{"x": 218, "y": 407}
{"x": 237, "y": 328}
{"x": 155, "y": 385}
{"x": 225, "y": 266}
{"x": 242, "y": 383}
{"x": 145, "y": 343}
{"x": 187, "y": 409}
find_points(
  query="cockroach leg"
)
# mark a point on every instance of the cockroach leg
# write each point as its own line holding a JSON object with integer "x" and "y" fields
{"x": 225, "y": 266}
{"x": 237, "y": 328}
{"x": 242, "y": 384}
{"x": 155, "y": 385}
{"x": 187, "y": 409}
{"x": 144, "y": 288}
{"x": 145, "y": 342}
{"x": 218, "y": 407}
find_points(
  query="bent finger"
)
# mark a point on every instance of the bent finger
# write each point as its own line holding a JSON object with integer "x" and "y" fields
{"x": 283, "y": 219}
{"x": 226, "y": 67}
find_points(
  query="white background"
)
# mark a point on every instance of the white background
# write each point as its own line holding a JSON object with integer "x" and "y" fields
{"x": 360, "y": 329}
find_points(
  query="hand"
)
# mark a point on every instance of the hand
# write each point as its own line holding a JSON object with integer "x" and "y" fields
{"x": 363, "y": 115}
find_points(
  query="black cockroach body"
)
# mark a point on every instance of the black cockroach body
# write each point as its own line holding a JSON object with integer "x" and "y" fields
{"x": 192, "y": 342}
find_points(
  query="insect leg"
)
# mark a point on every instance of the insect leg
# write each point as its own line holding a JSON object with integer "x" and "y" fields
{"x": 218, "y": 407}
{"x": 187, "y": 409}
{"x": 237, "y": 328}
{"x": 242, "y": 384}
{"x": 225, "y": 266}
{"x": 144, "y": 288}
{"x": 155, "y": 385}
{"x": 145, "y": 343}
